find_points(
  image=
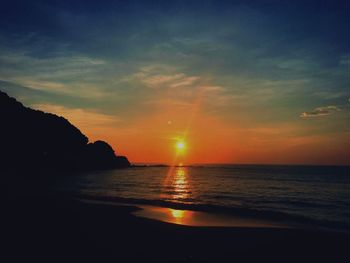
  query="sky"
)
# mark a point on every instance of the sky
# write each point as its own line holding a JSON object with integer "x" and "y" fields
{"x": 236, "y": 81}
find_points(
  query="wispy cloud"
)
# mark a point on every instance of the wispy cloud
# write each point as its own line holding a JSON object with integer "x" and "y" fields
{"x": 70, "y": 74}
{"x": 176, "y": 89}
{"x": 86, "y": 120}
{"x": 320, "y": 111}
{"x": 186, "y": 81}
{"x": 153, "y": 80}
{"x": 344, "y": 60}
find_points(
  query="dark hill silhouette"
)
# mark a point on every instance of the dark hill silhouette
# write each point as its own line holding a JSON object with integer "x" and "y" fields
{"x": 32, "y": 139}
{"x": 101, "y": 154}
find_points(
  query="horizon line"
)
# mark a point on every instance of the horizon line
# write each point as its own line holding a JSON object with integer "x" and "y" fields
{"x": 247, "y": 164}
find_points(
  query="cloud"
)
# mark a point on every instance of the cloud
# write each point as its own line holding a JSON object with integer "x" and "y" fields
{"x": 345, "y": 60}
{"x": 82, "y": 118}
{"x": 212, "y": 88}
{"x": 327, "y": 94}
{"x": 320, "y": 111}
{"x": 154, "y": 81}
{"x": 151, "y": 78}
{"x": 172, "y": 81}
{"x": 69, "y": 74}
{"x": 186, "y": 81}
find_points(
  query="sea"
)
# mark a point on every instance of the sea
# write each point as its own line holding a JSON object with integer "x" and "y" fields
{"x": 317, "y": 196}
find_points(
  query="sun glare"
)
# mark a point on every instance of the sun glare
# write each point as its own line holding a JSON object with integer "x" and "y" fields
{"x": 180, "y": 145}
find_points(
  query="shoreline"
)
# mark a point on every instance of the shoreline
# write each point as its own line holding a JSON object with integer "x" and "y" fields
{"x": 193, "y": 218}
{"x": 43, "y": 226}
{"x": 272, "y": 218}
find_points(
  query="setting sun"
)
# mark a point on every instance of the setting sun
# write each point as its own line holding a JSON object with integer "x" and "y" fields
{"x": 180, "y": 145}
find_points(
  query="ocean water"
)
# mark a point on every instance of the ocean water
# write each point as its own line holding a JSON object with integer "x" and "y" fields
{"x": 311, "y": 195}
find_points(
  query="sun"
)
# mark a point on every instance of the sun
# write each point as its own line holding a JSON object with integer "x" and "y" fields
{"x": 180, "y": 146}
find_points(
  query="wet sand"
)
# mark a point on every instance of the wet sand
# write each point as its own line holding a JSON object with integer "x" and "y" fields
{"x": 203, "y": 219}
{"x": 47, "y": 229}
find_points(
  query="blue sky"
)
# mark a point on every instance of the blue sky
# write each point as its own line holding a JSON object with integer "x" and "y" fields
{"x": 273, "y": 74}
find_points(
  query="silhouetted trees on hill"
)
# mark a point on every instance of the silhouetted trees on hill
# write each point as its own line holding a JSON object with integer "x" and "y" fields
{"x": 32, "y": 139}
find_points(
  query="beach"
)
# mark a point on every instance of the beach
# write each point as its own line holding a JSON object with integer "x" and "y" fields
{"x": 51, "y": 228}
{"x": 156, "y": 131}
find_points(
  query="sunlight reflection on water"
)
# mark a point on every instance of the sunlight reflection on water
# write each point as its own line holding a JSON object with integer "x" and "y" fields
{"x": 323, "y": 191}
{"x": 180, "y": 184}
{"x": 176, "y": 185}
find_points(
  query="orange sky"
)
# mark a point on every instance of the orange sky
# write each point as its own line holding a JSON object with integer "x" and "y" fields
{"x": 209, "y": 138}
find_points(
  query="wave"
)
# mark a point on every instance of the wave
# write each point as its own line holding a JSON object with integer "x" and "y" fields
{"x": 241, "y": 211}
